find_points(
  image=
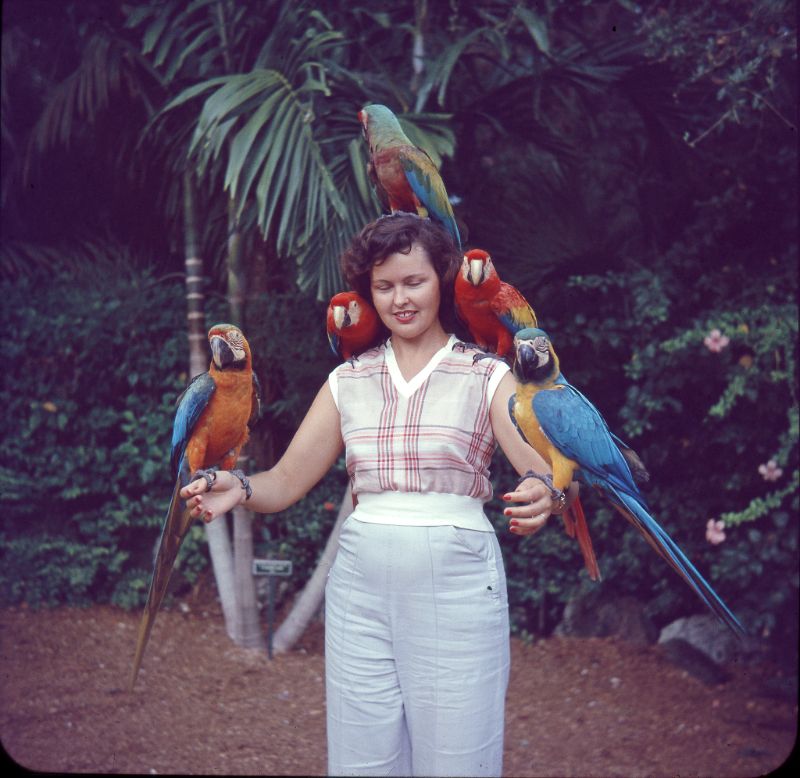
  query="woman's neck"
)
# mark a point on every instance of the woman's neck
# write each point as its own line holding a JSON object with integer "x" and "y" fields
{"x": 413, "y": 354}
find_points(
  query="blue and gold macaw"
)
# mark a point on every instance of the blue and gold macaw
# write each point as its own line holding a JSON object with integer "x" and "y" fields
{"x": 568, "y": 431}
{"x": 210, "y": 428}
{"x": 404, "y": 176}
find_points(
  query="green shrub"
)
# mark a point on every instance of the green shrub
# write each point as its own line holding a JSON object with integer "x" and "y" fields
{"x": 91, "y": 379}
{"x": 84, "y": 466}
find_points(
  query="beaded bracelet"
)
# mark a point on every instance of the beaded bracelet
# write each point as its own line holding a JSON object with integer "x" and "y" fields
{"x": 557, "y": 495}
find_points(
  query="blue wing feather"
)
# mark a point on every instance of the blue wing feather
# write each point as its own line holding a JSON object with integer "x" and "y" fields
{"x": 562, "y": 381}
{"x": 658, "y": 537}
{"x": 512, "y": 324}
{"x": 511, "y": 402}
{"x": 334, "y": 341}
{"x": 191, "y": 404}
{"x": 433, "y": 197}
{"x": 635, "y": 464}
{"x": 576, "y": 428}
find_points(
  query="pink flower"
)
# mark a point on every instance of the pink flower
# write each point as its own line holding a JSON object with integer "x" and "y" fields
{"x": 770, "y": 471}
{"x": 715, "y": 532}
{"x": 715, "y": 341}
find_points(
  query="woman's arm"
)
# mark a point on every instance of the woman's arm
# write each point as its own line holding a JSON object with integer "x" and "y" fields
{"x": 313, "y": 450}
{"x": 537, "y": 504}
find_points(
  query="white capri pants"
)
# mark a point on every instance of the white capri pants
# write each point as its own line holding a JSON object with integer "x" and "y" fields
{"x": 416, "y": 651}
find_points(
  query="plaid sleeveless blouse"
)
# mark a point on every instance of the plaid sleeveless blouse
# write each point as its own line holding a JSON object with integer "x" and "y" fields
{"x": 429, "y": 434}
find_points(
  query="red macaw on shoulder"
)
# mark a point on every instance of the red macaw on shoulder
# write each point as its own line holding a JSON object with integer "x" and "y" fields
{"x": 353, "y": 325}
{"x": 404, "y": 176}
{"x": 210, "y": 428}
{"x": 493, "y": 310}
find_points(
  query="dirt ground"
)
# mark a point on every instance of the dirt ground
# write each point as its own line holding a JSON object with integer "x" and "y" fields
{"x": 576, "y": 707}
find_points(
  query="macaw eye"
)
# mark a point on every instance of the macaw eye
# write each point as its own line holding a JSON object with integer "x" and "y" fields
{"x": 540, "y": 344}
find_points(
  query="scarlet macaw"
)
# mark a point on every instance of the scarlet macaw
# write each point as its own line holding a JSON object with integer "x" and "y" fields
{"x": 404, "y": 176}
{"x": 209, "y": 430}
{"x": 492, "y": 309}
{"x": 571, "y": 435}
{"x": 353, "y": 325}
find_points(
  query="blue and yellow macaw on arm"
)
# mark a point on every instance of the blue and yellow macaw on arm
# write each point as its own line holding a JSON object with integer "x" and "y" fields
{"x": 568, "y": 431}
{"x": 210, "y": 427}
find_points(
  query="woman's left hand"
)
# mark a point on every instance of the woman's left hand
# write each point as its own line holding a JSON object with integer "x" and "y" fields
{"x": 537, "y": 505}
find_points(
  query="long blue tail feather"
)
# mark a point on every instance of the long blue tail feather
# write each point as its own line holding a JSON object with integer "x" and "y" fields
{"x": 672, "y": 554}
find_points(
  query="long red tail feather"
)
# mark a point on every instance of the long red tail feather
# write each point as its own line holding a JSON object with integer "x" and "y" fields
{"x": 578, "y": 527}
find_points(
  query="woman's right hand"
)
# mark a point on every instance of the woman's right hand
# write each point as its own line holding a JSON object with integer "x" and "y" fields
{"x": 226, "y": 493}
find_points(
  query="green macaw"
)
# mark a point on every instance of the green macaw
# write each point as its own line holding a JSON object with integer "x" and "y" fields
{"x": 404, "y": 176}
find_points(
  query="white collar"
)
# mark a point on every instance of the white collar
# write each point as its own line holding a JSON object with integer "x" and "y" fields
{"x": 407, "y": 388}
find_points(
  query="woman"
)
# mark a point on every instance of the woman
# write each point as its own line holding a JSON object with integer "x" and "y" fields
{"x": 417, "y": 637}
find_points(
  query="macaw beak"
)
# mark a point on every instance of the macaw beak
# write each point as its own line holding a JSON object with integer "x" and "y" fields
{"x": 221, "y": 352}
{"x": 340, "y": 317}
{"x": 476, "y": 268}
{"x": 527, "y": 360}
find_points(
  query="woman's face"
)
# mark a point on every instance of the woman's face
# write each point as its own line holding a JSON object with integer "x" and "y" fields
{"x": 405, "y": 292}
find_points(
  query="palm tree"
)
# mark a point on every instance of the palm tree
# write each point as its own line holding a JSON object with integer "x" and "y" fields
{"x": 284, "y": 145}
{"x": 111, "y": 78}
{"x": 257, "y": 125}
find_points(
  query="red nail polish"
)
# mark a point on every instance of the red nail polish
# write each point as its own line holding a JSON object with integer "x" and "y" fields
{"x": 514, "y": 523}
{"x": 506, "y": 497}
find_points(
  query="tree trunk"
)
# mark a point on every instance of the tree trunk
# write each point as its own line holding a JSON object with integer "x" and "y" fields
{"x": 195, "y": 300}
{"x": 248, "y": 631}
{"x": 418, "y": 53}
{"x": 219, "y": 545}
{"x": 311, "y": 598}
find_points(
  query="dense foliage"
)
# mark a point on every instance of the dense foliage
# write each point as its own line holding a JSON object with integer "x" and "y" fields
{"x": 84, "y": 462}
{"x": 631, "y": 167}
{"x": 84, "y": 466}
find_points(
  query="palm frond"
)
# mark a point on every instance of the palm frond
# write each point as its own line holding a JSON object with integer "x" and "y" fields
{"x": 266, "y": 125}
{"x": 443, "y": 66}
{"x": 196, "y": 39}
{"x": 432, "y": 132}
{"x": 318, "y": 257}
{"x": 107, "y": 65}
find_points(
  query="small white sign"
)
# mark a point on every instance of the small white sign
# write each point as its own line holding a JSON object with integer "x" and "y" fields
{"x": 272, "y": 567}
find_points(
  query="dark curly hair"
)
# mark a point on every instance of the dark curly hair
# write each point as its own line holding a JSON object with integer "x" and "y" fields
{"x": 393, "y": 234}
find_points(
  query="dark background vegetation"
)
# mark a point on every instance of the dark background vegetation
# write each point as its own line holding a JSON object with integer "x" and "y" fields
{"x": 632, "y": 168}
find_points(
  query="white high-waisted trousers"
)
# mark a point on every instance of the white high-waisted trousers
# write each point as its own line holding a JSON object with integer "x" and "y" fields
{"x": 416, "y": 651}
